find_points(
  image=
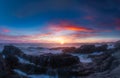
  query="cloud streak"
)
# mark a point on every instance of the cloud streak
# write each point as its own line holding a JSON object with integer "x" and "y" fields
{"x": 69, "y": 27}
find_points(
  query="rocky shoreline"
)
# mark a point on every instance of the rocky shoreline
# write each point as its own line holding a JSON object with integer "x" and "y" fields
{"x": 105, "y": 62}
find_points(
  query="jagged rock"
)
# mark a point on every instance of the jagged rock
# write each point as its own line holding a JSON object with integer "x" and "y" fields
{"x": 115, "y": 73}
{"x": 3, "y": 68}
{"x": 86, "y": 49}
{"x": 31, "y": 69}
{"x": 77, "y": 70}
{"x": 11, "y": 62}
{"x": 102, "y": 62}
{"x": 57, "y": 60}
{"x": 101, "y": 48}
{"x": 69, "y": 50}
{"x": 12, "y": 50}
{"x": 117, "y": 45}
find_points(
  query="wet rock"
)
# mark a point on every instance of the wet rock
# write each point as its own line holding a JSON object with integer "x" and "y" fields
{"x": 101, "y": 48}
{"x": 12, "y": 50}
{"x": 31, "y": 69}
{"x": 117, "y": 45}
{"x": 115, "y": 73}
{"x": 102, "y": 62}
{"x": 11, "y": 62}
{"x": 3, "y": 68}
{"x": 86, "y": 49}
{"x": 57, "y": 60}
{"x": 69, "y": 50}
{"x": 77, "y": 70}
{"x": 58, "y": 48}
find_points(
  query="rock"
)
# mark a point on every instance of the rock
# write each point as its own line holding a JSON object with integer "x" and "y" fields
{"x": 117, "y": 45}
{"x": 58, "y": 48}
{"x": 31, "y": 69}
{"x": 11, "y": 61}
{"x": 69, "y": 50}
{"x": 102, "y": 62}
{"x": 116, "y": 55}
{"x": 3, "y": 68}
{"x": 76, "y": 70}
{"x": 57, "y": 60}
{"x": 12, "y": 50}
{"x": 86, "y": 49}
{"x": 101, "y": 48}
{"x": 115, "y": 73}
{"x": 99, "y": 58}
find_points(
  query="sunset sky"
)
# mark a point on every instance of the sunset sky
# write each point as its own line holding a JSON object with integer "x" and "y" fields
{"x": 59, "y": 21}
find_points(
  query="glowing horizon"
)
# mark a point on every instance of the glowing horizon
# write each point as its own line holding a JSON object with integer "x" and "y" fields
{"x": 36, "y": 21}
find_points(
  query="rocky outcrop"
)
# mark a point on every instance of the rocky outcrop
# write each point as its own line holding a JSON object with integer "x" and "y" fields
{"x": 102, "y": 62}
{"x": 86, "y": 49}
{"x": 3, "y": 68}
{"x": 64, "y": 64}
{"x": 12, "y": 50}
{"x": 57, "y": 60}
{"x": 77, "y": 70}
{"x": 101, "y": 48}
{"x": 69, "y": 50}
{"x": 117, "y": 45}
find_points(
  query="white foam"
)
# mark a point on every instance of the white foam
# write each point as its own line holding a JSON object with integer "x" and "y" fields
{"x": 37, "y": 52}
{"x": 83, "y": 58}
{"x": 41, "y": 76}
{"x": 21, "y": 60}
{"x": 96, "y": 53}
{"x": 20, "y": 72}
{"x": 110, "y": 47}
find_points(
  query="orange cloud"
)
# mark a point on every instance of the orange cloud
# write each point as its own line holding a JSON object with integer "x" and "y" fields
{"x": 69, "y": 27}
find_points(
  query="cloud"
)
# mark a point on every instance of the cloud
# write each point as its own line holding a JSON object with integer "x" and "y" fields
{"x": 4, "y": 30}
{"x": 118, "y": 28}
{"x": 69, "y": 27}
{"x": 89, "y": 18}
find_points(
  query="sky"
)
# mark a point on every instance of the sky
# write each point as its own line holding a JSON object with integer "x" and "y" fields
{"x": 59, "y": 21}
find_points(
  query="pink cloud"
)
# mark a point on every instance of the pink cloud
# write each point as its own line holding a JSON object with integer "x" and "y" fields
{"x": 4, "y": 30}
{"x": 89, "y": 17}
{"x": 118, "y": 28}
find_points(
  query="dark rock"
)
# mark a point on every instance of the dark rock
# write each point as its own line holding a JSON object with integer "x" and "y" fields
{"x": 58, "y": 48}
{"x": 102, "y": 62}
{"x": 69, "y": 50}
{"x": 86, "y": 49}
{"x": 31, "y": 69}
{"x": 117, "y": 45}
{"x": 11, "y": 62}
{"x": 57, "y": 60}
{"x": 3, "y": 68}
{"x": 76, "y": 70}
{"x": 101, "y": 48}
{"x": 12, "y": 50}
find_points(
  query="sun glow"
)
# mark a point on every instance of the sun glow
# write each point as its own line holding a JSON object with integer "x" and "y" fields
{"x": 60, "y": 40}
